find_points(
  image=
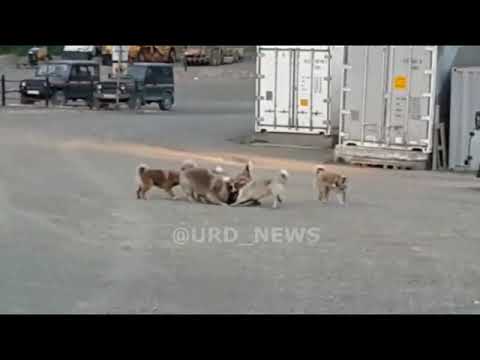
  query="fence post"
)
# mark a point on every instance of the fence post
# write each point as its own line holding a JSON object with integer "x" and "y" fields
{"x": 3, "y": 90}
{"x": 47, "y": 96}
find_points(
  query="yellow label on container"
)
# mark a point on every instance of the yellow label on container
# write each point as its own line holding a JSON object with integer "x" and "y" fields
{"x": 400, "y": 83}
{"x": 304, "y": 102}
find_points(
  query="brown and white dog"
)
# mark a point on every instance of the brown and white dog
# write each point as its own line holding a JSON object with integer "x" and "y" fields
{"x": 325, "y": 181}
{"x": 238, "y": 181}
{"x": 257, "y": 190}
{"x": 163, "y": 179}
{"x": 200, "y": 183}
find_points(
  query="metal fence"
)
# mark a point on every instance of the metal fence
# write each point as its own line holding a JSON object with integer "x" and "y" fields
{"x": 13, "y": 87}
{"x": 9, "y": 87}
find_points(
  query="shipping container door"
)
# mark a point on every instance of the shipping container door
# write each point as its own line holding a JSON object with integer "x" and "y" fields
{"x": 311, "y": 96}
{"x": 411, "y": 101}
{"x": 364, "y": 88}
{"x": 275, "y": 87}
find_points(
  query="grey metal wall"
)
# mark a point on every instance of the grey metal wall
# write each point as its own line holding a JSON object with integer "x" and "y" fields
{"x": 465, "y": 102}
{"x": 388, "y": 95}
{"x": 336, "y": 69}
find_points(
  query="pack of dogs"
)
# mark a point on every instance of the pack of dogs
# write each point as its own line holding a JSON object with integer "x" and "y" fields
{"x": 215, "y": 186}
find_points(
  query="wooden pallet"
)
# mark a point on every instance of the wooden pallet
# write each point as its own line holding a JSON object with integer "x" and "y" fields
{"x": 382, "y": 158}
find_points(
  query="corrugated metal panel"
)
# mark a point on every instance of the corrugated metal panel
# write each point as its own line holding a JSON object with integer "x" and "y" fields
{"x": 388, "y": 96}
{"x": 293, "y": 89}
{"x": 465, "y": 103}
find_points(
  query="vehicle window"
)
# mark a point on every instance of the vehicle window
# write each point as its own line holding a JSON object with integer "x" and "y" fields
{"x": 163, "y": 74}
{"x": 137, "y": 72}
{"x": 149, "y": 77}
{"x": 93, "y": 71}
{"x": 52, "y": 70}
{"x": 80, "y": 73}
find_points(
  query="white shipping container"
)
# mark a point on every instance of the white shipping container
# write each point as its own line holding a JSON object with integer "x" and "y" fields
{"x": 293, "y": 92}
{"x": 465, "y": 119}
{"x": 388, "y": 97}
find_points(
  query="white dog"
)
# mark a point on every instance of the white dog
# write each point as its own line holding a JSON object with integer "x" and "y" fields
{"x": 257, "y": 190}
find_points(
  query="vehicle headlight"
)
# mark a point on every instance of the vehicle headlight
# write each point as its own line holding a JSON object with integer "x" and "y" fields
{"x": 123, "y": 88}
{"x": 99, "y": 87}
{"x": 23, "y": 84}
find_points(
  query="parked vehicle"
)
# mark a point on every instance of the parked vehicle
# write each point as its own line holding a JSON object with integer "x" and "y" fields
{"x": 212, "y": 55}
{"x": 143, "y": 84}
{"x": 152, "y": 53}
{"x": 79, "y": 52}
{"x": 204, "y": 55}
{"x": 61, "y": 81}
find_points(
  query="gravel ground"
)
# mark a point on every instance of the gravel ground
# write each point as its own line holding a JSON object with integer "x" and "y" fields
{"x": 75, "y": 240}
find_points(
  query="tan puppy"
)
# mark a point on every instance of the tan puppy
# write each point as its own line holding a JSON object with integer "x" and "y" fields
{"x": 257, "y": 190}
{"x": 325, "y": 181}
{"x": 199, "y": 183}
{"x": 148, "y": 178}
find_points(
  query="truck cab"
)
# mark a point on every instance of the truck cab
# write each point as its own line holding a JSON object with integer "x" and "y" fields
{"x": 61, "y": 81}
{"x": 79, "y": 52}
{"x": 143, "y": 84}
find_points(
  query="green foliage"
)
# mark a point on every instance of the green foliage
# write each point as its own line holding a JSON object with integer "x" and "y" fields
{"x": 22, "y": 50}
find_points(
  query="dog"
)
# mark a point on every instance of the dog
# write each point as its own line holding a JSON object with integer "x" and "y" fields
{"x": 256, "y": 190}
{"x": 200, "y": 183}
{"x": 325, "y": 181}
{"x": 238, "y": 181}
{"x": 147, "y": 178}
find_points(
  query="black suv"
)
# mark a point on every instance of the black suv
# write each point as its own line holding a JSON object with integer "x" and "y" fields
{"x": 61, "y": 81}
{"x": 144, "y": 83}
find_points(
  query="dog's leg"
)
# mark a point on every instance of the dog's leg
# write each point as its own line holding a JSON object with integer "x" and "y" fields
{"x": 326, "y": 193}
{"x": 139, "y": 190}
{"x": 321, "y": 194}
{"x": 242, "y": 201}
{"x": 275, "y": 202}
{"x": 342, "y": 197}
{"x": 253, "y": 203}
{"x": 214, "y": 200}
{"x": 171, "y": 193}
{"x": 145, "y": 188}
{"x": 188, "y": 192}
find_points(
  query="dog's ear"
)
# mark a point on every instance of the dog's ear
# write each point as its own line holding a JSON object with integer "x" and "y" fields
{"x": 319, "y": 168}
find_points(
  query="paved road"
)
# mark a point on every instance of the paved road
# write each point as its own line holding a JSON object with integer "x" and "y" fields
{"x": 74, "y": 239}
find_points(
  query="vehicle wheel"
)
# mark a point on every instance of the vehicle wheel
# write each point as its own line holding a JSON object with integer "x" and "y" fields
{"x": 172, "y": 56}
{"x": 25, "y": 101}
{"x": 166, "y": 104}
{"x": 96, "y": 104}
{"x": 58, "y": 98}
{"x": 134, "y": 103}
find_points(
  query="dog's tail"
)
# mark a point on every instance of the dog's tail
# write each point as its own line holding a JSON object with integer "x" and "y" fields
{"x": 218, "y": 170}
{"x": 140, "y": 171}
{"x": 188, "y": 164}
{"x": 249, "y": 168}
{"x": 318, "y": 168}
{"x": 284, "y": 175}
